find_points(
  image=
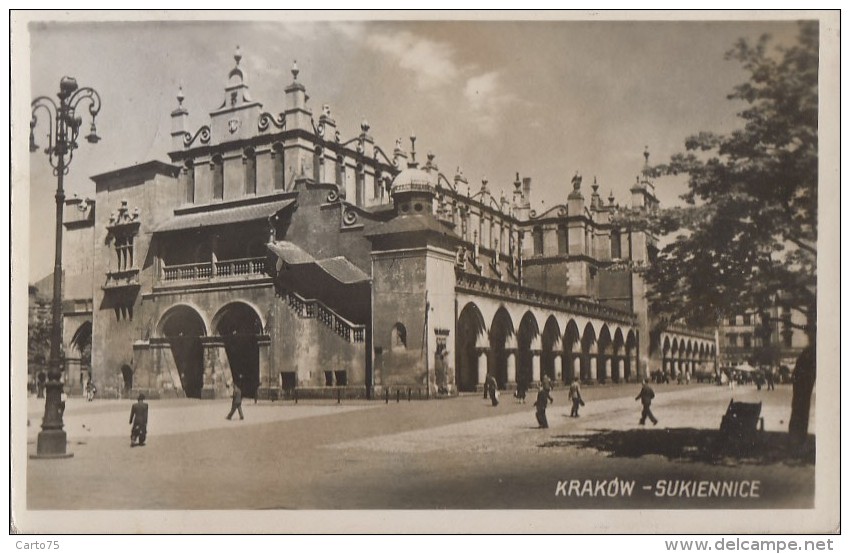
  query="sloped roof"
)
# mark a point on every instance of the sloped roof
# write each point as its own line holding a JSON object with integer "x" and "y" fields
{"x": 342, "y": 270}
{"x": 226, "y": 216}
{"x": 338, "y": 268}
{"x": 410, "y": 224}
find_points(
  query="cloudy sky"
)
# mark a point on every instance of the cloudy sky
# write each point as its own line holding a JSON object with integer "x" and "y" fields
{"x": 546, "y": 99}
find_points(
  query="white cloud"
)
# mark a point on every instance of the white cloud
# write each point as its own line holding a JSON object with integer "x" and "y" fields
{"x": 487, "y": 99}
{"x": 431, "y": 62}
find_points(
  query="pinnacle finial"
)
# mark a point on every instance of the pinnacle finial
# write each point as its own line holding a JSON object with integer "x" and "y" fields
{"x": 576, "y": 181}
{"x": 364, "y": 126}
{"x": 611, "y": 198}
{"x": 595, "y": 185}
{"x": 413, "y": 146}
{"x": 646, "y": 154}
{"x": 294, "y": 70}
{"x": 180, "y": 96}
{"x": 237, "y": 55}
{"x": 484, "y": 182}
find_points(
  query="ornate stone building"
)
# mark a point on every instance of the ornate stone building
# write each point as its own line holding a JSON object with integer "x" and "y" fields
{"x": 273, "y": 253}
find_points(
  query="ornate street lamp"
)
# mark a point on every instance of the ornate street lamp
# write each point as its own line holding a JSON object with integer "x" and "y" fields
{"x": 64, "y": 129}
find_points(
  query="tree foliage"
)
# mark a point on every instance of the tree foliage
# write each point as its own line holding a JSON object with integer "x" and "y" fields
{"x": 749, "y": 227}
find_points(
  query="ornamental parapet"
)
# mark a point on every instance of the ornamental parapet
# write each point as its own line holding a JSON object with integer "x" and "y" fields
{"x": 476, "y": 284}
{"x": 681, "y": 329}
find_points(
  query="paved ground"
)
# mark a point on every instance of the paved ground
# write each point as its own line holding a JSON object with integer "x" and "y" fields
{"x": 456, "y": 453}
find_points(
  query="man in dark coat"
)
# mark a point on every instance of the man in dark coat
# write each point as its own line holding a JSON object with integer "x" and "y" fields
{"x": 543, "y": 400}
{"x": 139, "y": 420}
{"x": 645, "y": 396}
{"x": 493, "y": 390}
{"x": 236, "y": 404}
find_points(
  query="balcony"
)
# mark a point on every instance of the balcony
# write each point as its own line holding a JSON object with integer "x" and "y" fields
{"x": 223, "y": 270}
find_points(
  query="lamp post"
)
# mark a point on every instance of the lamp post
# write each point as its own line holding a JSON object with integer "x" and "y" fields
{"x": 63, "y": 131}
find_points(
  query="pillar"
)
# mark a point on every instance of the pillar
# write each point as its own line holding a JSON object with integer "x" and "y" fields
{"x": 535, "y": 366}
{"x": 511, "y": 361}
{"x": 482, "y": 366}
{"x": 558, "y": 365}
{"x": 593, "y": 361}
{"x": 621, "y": 369}
{"x": 576, "y": 367}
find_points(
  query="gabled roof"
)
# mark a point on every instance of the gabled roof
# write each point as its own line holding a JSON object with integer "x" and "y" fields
{"x": 338, "y": 268}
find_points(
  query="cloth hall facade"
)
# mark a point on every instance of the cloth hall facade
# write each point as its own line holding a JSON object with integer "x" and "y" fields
{"x": 272, "y": 253}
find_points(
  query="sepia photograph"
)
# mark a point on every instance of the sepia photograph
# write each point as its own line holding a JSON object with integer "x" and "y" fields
{"x": 436, "y": 272}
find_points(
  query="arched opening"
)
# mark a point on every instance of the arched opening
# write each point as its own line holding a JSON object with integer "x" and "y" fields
{"x": 470, "y": 325}
{"x": 604, "y": 348}
{"x": 665, "y": 355}
{"x": 500, "y": 330}
{"x": 183, "y": 327}
{"x": 526, "y": 333}
{"x": 631, "y": 345}
{"x": 549, "y": 341}
{"x": 398, "y": 337}
{"x": 617, "y": 359}
{"x": 572, "y": 352}
{"x": 588, "y": 361}
{"x": 127, "y": 377}
{"x": 239, "y": 327}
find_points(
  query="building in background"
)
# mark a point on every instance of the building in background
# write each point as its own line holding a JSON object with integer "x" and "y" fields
{"x": 273, "y": 254}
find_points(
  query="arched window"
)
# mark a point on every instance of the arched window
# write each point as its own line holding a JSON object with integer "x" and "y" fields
{"x": 217, "y": 166}
{"x": 398, "y": 337}
{"x": 249, "y": 162}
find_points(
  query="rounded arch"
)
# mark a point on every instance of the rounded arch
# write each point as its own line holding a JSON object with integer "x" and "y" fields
{"x": 183, "y": 326}
{"x": 604, "y": 354}
{"x": 238, "y": 317}
{"x": 501, "y": 329}
{"x": 631, "y": 367}
{"x": 398, "y": 337}
{"x": 470, "y": 330}
{"x": 527, "y": 342}
{"x": 572, "y": 351}
{"x": 588, "y": 341}
{"x": 550, "y": 341}
{"x": 182, "y": 320}
{"x": 617, "y": 359}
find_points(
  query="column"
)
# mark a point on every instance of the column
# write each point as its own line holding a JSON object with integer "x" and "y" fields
{"x": 558, "y": 365}
{"x": 511, "y": 361}
{"x": 577, "y": 367}
{"x": 593, "y": 362}
{"x": 482, "y": 366}
{"x": 621, "y": 369}
{"x": 535, "y": 359}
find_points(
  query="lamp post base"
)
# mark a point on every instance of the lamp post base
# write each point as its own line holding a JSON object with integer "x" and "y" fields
{"x": 52, "y": 444}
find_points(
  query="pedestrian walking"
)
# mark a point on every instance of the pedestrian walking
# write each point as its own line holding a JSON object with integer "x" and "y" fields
{"x": 575, "y": 397}
{"x": 493, "y": 389}
{"x": 521, "y": 390}
{"x": 543, "y": 400}
{"x": 645, "y": 396}
{"x": 139, "y": 421}
{"x": 770, "y": 378}
{"x": 41, "y": 380}
{"x": 236, "y": 404}
{"x": 91, "y": 390}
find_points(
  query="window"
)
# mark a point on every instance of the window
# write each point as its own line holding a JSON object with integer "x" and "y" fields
{"x": 189, "y": 182}
{"x": 616, "y": 248}
{"x": 288, "y": 380}
{"x": 124, "y": 252}
{"x": 537, "y": 240}
{"x": 732, "y": 339}
{"x": 562, "y": 240}
{"x": 218, "y": 177}
{"x": 277, "y": 162}
{"x": 748, "y": 340}
{"x": 732, "y": 320}
{"x": 398, "y": 337}
{"x": 329, "y": 378}
{"x": 787, "y": 339}
{"x": 747, "y": 319}
{"x": 249, "y": 162}
{"x": 341, "y": 378}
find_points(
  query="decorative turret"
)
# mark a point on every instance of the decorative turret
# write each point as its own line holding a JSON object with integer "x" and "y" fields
{"x": 413, "y": 189}
{"x": 643, "y": 191}
{"x": 296, "y": 113}
{"x": 179, "y": 122}
{"x": 595, "y": 199}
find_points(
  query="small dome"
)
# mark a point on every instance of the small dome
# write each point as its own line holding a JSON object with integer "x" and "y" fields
{"x": 412, "y": 179}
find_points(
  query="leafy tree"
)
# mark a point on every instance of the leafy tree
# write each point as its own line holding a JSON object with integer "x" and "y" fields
{"x": 748, "y": 231}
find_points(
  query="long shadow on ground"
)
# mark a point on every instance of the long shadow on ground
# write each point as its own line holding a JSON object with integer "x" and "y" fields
{"x": 694, "y": 445}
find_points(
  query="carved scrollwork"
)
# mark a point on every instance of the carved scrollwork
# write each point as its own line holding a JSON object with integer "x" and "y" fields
{"x": 203, "y": 133}
{"x": 267, "y": 119}
{"x": 349, "y": 217}
{"x": 333, "y": 196}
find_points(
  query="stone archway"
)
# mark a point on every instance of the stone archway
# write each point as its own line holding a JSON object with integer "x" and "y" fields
{"x": 240, "y": 327}
{"x": 183, "y": 328}
{"x": 470, "y": 326}
{"x": 501, "y": 330}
